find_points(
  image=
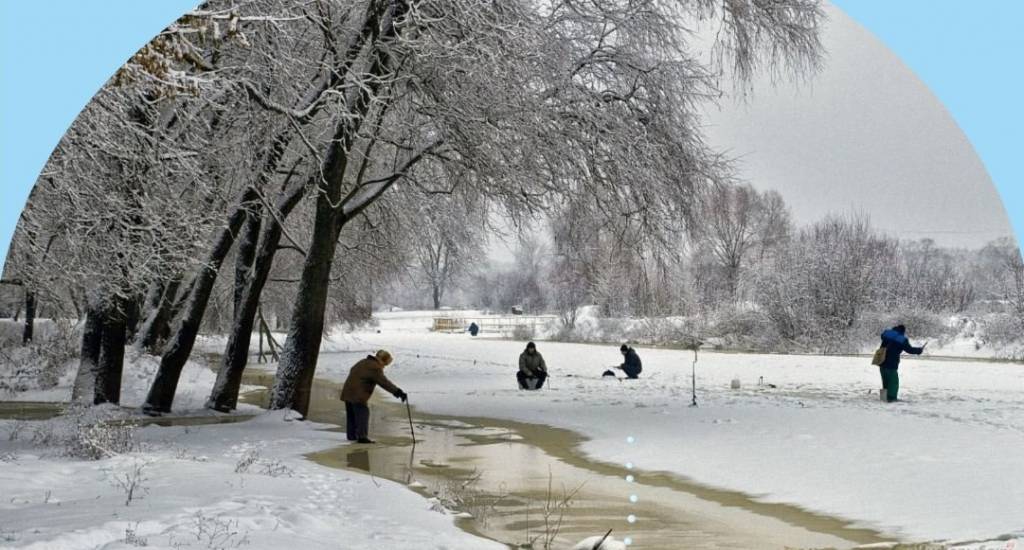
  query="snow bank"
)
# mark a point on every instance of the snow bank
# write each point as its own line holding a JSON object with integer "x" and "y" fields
{"x": 139, "y": 371}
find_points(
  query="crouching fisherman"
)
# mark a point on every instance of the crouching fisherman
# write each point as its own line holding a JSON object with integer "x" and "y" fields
{"x": 364, "y": 376}
{"x": 532, "y": 370}
{"x": 630, "y": 362}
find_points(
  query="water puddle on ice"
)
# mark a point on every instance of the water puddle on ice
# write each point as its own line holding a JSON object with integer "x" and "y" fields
{"x": 29, "y": 410}
{"x": 524, "y": 483}
{"x": 45, "y": 410}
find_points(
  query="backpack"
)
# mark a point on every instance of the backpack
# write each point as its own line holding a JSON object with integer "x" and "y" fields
{"x": 879, "y": 357}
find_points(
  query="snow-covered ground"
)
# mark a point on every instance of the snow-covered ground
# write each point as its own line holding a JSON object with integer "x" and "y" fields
{"x": 947, "y": 463}
{"x": 954, "y": 336}
{"x": 240, "y": 485}
{"x": 139, "y": 372}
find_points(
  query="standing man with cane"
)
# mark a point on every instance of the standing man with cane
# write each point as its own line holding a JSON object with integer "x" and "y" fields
{"x": 364, "y": 376}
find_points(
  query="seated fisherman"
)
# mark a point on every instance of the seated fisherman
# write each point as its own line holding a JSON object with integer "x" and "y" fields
{"x": 532, "y": 370}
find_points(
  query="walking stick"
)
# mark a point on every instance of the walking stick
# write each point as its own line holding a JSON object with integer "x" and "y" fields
{"x": 601, "y": 542}
{"x": 408, "y": 412}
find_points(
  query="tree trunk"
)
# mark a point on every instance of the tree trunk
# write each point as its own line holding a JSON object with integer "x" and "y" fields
{"x": 294, "y": 378}
{"x": 259, "y": 358}
{"x": 177, "y": 306}
{"x": 156, "y": 327}
{"x": 150, "y": 304}
{"x": 30, "y": 317}
{"x": 245, "y": 253}
{"x": 75, "y": 305}
{"x": 179, "y": 348}
{"x": 133, "y": 310}
{"x": 92, "y": 333}
{"x": 437, "y": 296}
{"x": 271, "y": 342}
{"x": 107, "y": 387}
{"x": 224, "y": 396}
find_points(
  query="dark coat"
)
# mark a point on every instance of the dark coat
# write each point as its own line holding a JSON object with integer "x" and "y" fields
{"x": 894, "y": 344}
{"x": 364, "y": 376}
{"x": 632, "y": 366}
{"x": 532, "y": 364}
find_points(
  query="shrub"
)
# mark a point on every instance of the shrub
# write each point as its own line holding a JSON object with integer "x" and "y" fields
{"x": 746, "y": 329}
{"x": 40, "y": 364}
{"x": 89, "y": 433}
{"x": 1003, "y": 328}
{"x": 523, "y": 332}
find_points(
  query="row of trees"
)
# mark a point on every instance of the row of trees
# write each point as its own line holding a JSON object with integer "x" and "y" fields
{"x": 813, "y": 284}
{"x": 305, "y": 143}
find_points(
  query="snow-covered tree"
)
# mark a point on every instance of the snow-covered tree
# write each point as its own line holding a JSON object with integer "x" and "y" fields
{"x": 242, "y": 114}
{"x": 447, "y": 238}
{"x": 736, "y": 226}
{"x": 816, "y": 288}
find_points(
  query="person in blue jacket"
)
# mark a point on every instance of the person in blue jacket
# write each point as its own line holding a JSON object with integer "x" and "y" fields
{"x": 895, "y": 342}
{"x": 631, "y": 362}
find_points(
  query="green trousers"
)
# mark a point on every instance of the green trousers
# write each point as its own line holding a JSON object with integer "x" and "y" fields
{"x": 891, "y": 383}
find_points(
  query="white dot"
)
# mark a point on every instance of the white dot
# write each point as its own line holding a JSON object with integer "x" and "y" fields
{"x": 630, "y": 478}
{"x": 633, "y": 498}
{"x": 630, "y": 439}
{"x": 629, "y": 465}
{"x": 627, "y": 541}
{"x": 631, "y": 518}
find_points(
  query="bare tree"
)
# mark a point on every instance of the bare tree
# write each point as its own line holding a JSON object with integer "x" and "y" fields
{"x": 447, "y": 240}
{"x": 929, "y": 278}
{"x": 738, "y": 225}
{"x": 111, "y": 202}
{"x": 1005, "y": 258}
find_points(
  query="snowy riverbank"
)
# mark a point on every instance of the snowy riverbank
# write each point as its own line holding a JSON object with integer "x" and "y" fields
{"x": 942, "y": 465}
{"x": 239, "y": 485}
{"x": 245, "y": 484}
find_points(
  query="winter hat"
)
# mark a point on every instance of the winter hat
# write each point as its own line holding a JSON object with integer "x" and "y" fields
{"x": 624, "y": 348}
{"x": 384, "y": 357}
{"x": 900, "y": 329}
{"x": 531, "y": 345}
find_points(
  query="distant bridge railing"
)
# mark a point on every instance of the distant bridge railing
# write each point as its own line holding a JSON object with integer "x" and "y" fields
{"x": 498, "y": 324}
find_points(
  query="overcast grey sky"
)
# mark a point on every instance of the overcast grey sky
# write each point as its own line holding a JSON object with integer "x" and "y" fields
{"x": 864, "y": 135}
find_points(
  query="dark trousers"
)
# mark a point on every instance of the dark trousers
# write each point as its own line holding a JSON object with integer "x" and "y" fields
{"x": 357, "y": 421}
{"x": 522, "y": 378}
{"x": 890, "y": 382}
